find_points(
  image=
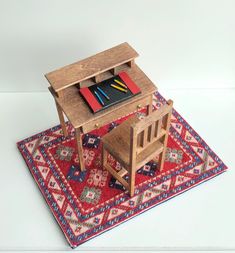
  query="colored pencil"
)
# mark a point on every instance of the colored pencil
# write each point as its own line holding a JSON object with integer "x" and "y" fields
{"x": 118, "y": 88}
{"x": 99, "y": 98}
{"x": 103, "y": 93}
{"x": 120, "y": 83}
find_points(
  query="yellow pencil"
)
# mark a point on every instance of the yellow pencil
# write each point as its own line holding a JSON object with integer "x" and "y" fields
{"x": 120, "y": 83}
{"x": 118, "y": 88}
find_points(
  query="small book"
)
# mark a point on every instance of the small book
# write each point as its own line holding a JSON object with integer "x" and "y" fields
{"x": 115, "y": 96}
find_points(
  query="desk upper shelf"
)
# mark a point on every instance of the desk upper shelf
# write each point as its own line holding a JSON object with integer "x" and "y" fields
{"x": 91, "y": 67}
{"x": 79, "y": 113}
{"x": 66, "y": 82}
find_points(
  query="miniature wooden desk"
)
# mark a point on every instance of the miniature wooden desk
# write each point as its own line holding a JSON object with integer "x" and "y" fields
{"x": 65, "y": 84}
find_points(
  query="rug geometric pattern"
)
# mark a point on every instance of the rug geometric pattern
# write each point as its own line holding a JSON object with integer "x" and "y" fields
{"x": 85, "y": 204}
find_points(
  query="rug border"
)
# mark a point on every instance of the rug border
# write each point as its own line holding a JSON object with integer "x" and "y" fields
{"x": 73, "y": 246}
{"x": 71, "y": 241}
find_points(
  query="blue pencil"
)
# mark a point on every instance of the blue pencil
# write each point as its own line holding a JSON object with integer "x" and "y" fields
{"x": 103, "y": 93}
{"x": 99, "y": 98}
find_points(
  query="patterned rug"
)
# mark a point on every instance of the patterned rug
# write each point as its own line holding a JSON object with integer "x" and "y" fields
{"x": 86, "y": 204}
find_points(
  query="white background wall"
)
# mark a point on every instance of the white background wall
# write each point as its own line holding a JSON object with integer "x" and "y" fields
{"x": 186, "y": 47}
{"x": 182, "y": 44}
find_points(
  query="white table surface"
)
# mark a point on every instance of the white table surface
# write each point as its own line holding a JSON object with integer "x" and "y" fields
{"x": 202, "y": 218}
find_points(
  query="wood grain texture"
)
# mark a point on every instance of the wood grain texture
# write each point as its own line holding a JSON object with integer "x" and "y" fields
{"x": 66, "y": 82}
{"x": 79, "y": 113}
{"x": 118, "y": 141}
{"x": 114, "y": 114}
{"x": 91, "y": 66}
{"x": 166, "y": 126}
{"x": 78, "y": 135}
{"x": 132, "y": 158}
{"x": 135, "y": 142}
{"x": 61, "y": 118}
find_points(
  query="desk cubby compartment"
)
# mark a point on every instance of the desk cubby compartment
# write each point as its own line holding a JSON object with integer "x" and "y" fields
{"x": 86, "y": 83}
{"x": 103, "y": 76}
{"x": 120, "y": 68}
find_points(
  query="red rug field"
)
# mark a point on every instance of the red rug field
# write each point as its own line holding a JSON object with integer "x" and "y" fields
{"x": 86, "y": 204}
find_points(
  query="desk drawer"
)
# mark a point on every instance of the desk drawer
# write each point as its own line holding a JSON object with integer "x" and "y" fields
{"x": 115, "y": 114}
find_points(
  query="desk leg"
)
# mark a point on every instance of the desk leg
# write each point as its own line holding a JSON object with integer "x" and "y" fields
{"x": 150, "y": 105}
{"x": 62, "y": 121}
{"x": 78, "y": 134}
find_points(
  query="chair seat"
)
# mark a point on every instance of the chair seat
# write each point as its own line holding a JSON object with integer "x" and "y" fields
{"x": 117, "y": 142}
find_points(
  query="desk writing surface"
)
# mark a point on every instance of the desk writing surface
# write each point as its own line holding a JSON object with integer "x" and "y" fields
{"x": 78, "y": 112}
{"x": 74, "y": 73}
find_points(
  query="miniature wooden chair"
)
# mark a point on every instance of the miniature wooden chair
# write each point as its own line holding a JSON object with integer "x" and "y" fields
{"x": 135, "y": 142}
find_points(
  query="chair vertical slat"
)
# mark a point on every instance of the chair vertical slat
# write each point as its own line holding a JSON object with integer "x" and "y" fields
{"x": 158, "y": 127}
{"x": 139, "y": 140}
{"x": 145, "y": 137}
{"x": 164, "y": 121}
{"x": 152, "y": 131}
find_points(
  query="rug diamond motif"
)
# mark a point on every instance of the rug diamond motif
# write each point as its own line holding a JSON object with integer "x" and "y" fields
{"x": 88, "y": 203}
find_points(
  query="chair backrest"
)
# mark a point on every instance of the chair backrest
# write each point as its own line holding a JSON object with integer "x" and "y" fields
{"x": 151, "y": 129}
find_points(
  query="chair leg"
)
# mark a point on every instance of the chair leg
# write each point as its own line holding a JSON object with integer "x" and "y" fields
{"x": 128, "y": 185}
{"x": 132, "y": 181}
{"x": 155, "y": 160}
{"x": 104, "y": 156}
{"x": 162, "y": 159}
